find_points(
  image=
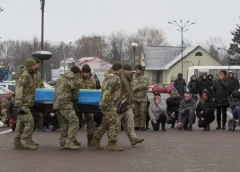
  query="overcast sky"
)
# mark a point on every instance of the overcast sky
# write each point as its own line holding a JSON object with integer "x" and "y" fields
{"x": 67, "y": 20}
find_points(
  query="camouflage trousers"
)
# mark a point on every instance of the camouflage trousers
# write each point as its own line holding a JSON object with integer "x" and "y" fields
{"x": 24, "y": 126}
{"x": 127, "y": 119}
{"x": 110, "y": 123}
{"x": 140, "y": 110}
{"x": 90, "y": 124}
{"x": 69, "y": 124}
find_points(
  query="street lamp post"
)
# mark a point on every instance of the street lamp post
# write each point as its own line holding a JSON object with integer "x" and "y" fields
{"x": 134, "y": 45}
{"x": 182, "y": 28}
{"x": 42, "y": 24}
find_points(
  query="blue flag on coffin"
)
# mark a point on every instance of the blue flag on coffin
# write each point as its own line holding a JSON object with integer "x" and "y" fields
{"x": 89, "y": 97}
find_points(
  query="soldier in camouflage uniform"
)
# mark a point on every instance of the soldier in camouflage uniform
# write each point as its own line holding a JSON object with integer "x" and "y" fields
{"x": 140, "y": 87}
{"x": 65, "y": 104}
{"x": 24, "y": 101}
{"x": 9, "y": 95}
{"x": 127, "y": 117}
{"x": 109, "y": 105}
{"x": 87, "y": 82}
{"x": 37, "y": 75}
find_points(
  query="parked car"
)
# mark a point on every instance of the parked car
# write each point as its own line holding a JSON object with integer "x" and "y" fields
{"x": 162, "y": 88}
{"x": 9, "y": 85}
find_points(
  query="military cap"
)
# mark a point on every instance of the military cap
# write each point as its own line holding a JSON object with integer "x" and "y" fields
{"x": 75, "y": 69}
{"x": 139, "y": 67}
{"x": 86, "y": 69}
{"x": 127, "y": 67}
{"x": 117, "y": 66}
{"x": 30, "y": 62}
{"x": 37, "y": 60}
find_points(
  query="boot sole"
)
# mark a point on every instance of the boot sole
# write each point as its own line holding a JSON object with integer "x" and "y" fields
{"x": 115, "y": 150}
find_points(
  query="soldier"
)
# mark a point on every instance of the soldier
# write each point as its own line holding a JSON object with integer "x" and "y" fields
{"x": 65, "y": 104}
{"x": 140, "y": 87}
{"x": 109, "y": 105}
{"x": 5, "y": 102}
{"x": 24, "y": 100}
{"x": 127, "y": 117}
{"x": 37, "y": 75}
{"x": 87, "y": 82}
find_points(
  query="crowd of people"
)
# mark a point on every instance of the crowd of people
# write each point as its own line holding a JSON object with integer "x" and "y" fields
{"x": 123, "y": 103}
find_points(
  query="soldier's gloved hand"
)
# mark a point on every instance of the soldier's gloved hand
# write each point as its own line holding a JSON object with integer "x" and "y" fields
{"x": 183, "y": 110}
{"x": 102, "y": 106}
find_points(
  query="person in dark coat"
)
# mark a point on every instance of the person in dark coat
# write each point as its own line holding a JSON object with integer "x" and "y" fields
{"x": 211, "y": 81}
{"x": 186, "y": 111}
{"x": 205, "y": 111}
{"x": 235, "y": 104}
{"x": 233, "y": 83}
{"x": 193, "y": 86}
{"x": 12, "y": 113}
{"x": 204, "y": 84}
{"x": 173, "y": 103}
{"x": 180, "y": 85}
{"x": 220, "y": 94}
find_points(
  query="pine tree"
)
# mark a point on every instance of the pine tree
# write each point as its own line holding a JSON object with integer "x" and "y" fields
{"x": 234, "y": 51}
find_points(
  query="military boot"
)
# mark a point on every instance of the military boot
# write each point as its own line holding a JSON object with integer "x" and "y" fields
{"x": 29, "y": 145}
{"x": 90, "y": 137}
{"x": 71, "y": 145}
{"x": 163, "y": 127}
{"x": 18, "y": 145}
{"x": 77, "y": 142}
{"x": 136, "y": 141}
{"x": 112, "y": 146}
{"x": 95, "y": 143}
{"x": 33, "y": 143}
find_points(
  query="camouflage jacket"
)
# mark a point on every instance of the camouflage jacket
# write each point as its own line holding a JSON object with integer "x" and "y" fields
{"x": 140, "y": 83}
{"x": 25, "y": 89}
{"x": 111, "y": 92}
{"x": 5, "y": 103}
{"x": 38, "y": 80}
{"x": 87, "y": 83}
{"x": 127, "y": 89}
{"x": 66, "y": 92}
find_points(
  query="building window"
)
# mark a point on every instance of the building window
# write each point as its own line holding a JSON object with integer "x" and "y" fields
{"x": 198, "y": 54}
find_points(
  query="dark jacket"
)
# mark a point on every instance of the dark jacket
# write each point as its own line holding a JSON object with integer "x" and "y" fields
{"x": 180, "y": 85}
{"x": 12, "y": 112}
{"x": 186, "y": 106}
{"x": 220, "y": 93}
{"x": 210, "y": 80}
{"x": 193, "y": 85}
{"x": 173, "y": 104}
{"x": 207, "y": 107}
{"x": 235, "y": 99}
{"x": 233, "y": 84}
{"x": 204, "y": 84}
{"x": 98, "y": 85}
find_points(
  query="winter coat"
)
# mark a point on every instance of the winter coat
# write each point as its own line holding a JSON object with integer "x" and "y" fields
{"x": 235, "y": 99}
{"x": 173, "y": 104}
{"x": 180, "y": 85}
{"x": 208, "y": 108}
{"x": 233, "y": 84}
{"x": 12, "y": 112}
{"x": 193, "y": 85}
{"x": 186, "y": 106}
{"x": 220, "y": 93}
{"x": 155, "y": 109}
{"x": 204, "y": 84}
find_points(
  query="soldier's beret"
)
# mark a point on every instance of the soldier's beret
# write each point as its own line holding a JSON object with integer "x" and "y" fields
{"x": 127, "y": 67}
{"x": 30, "y": 62}
{"x": 86, "y": 69}
{"x": 117, "y": 66}
{"x": 139, "y": 67}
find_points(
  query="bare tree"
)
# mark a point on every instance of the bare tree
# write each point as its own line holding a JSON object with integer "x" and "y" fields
{"x": 150, "y": 36}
